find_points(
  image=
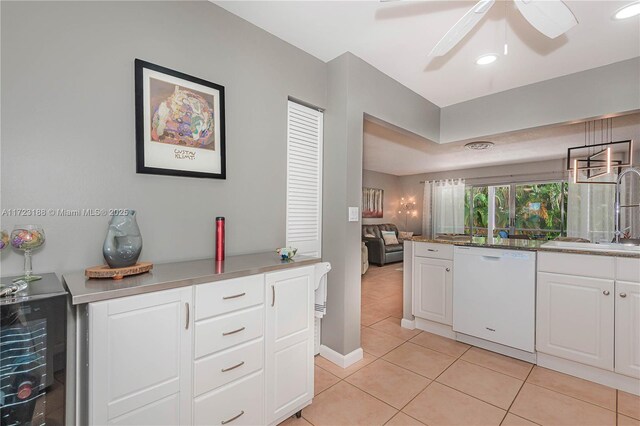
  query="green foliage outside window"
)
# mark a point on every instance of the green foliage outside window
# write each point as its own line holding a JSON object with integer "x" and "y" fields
{"x": 539, "y": 209}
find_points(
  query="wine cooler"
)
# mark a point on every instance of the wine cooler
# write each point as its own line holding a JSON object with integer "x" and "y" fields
{"x": 33, "y": 354}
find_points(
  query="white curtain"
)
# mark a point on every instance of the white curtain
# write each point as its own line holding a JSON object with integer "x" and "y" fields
{"x": 448, "y": 207}
{"x": 590, "y": 211}
{"x": 427, "y": 229}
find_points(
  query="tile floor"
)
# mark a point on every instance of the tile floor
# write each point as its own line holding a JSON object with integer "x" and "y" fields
{"x": 408, "y": 377}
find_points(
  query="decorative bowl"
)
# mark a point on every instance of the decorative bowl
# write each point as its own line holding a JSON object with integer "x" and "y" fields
{"x": 286, "y": 253}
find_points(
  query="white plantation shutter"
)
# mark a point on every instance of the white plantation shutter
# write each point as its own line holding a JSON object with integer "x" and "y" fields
{"x": 304, "y": 179}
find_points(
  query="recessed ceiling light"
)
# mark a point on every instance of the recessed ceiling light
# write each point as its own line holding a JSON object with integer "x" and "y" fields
{"x": 479, "y": 145}
{"x": 628, "y": 11}
{"x": 486, "y": 59}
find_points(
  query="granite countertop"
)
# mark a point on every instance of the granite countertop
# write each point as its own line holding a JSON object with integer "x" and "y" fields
{"x": 179, "y": 274}
{"x": 516, "y": 244}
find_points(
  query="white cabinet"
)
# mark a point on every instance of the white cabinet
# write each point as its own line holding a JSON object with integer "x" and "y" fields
{"x": 240, "y": 352}
{"x": 140, "y": 359}
{"x": 628, "y": 328}
{"x": 575, "y": 318}
{"x": 289, "y": 342}
{"x": 433, "y": 289}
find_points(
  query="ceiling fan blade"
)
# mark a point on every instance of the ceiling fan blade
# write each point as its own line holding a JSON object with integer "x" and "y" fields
{"x": 462, "y": 27}
{"x": 551, "y": 17}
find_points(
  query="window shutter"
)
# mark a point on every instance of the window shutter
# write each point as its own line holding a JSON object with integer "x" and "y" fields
{"x": 304, "y": 179}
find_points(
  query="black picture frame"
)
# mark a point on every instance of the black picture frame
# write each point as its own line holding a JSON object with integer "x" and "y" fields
{"x": 141, "y": 122}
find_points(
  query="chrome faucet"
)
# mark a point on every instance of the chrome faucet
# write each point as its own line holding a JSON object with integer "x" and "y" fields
{"x": 618, "y": 232}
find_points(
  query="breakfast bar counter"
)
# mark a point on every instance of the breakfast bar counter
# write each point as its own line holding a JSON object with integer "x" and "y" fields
{"x": 521, "y": 244}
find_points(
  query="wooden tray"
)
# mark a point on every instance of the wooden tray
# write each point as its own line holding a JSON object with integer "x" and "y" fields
{"x": 104, "y": 271}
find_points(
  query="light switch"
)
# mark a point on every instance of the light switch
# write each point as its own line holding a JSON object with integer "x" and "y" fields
{"x": 354, "y": 215}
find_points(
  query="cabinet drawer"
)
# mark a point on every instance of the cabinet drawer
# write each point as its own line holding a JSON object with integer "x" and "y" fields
{"x": 224, "y": 367}
{"x": 433, "y": 250}
{"x": 241, "y": 401}
{"x": 216, "y": 334}
{"x": 230, "y": 295}
{"x": 577, "y": 264}
{"x": 628, "y": 269}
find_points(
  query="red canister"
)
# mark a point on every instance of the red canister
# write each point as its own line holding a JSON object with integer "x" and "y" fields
{"x": 219, "y": 238}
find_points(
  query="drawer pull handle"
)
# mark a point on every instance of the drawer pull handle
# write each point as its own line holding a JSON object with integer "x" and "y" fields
{"x": 224, "y": 422}
{"x": 606, "y": 292}
{"x": 235, "y": 296}
{"x": 224, "y": 370}
{"x": 432, "y": 250}
{"x": 233, "y": 332}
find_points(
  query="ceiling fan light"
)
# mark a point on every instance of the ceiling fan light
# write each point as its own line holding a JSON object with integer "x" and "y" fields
{"x": 486, "y": 59}
{"x": 628, "y": 11}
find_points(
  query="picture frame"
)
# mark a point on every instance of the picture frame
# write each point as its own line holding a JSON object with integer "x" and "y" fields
{"x": 180, "y": 123}
{"x": 372, "y": 203}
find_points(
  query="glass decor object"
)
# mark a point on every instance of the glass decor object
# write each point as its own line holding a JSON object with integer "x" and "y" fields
{"x": 4, "y": 239}
{"x": 27, "y": 238}
{"x": 123, "y": 243}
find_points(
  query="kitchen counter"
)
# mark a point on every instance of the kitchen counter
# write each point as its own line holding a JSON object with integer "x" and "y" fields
{"x": 178, "y": 274}
{"x": 516, "y": 244}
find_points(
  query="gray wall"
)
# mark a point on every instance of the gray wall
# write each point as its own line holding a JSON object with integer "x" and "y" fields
{"x": 609, "y": 89}
{"x": 390, "y": 184}
{"x": 356, "y": 88}
{"x": 68, "y": 126}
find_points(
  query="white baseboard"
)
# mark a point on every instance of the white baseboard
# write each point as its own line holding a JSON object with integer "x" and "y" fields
{"x": 340, "y": 360}
{"x": 408, "y": 324}
{"x": 435, "y": 328}
{"x": 497, "y": 347}
{"x": 587, "y": 372}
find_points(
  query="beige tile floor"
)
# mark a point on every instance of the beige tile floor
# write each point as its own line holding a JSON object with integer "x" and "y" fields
{"x": 414, "y": 378}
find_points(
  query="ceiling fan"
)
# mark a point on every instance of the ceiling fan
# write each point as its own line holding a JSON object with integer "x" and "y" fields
{"x": 551, "y": 17}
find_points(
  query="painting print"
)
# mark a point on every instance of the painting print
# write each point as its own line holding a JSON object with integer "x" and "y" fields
{"x": 181, "y": 116}
{"x": 372, "y": 202}
{"x": 179, "y": 123}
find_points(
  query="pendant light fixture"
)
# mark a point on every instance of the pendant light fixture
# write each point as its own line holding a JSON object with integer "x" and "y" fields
{"x": 597, "y": 159}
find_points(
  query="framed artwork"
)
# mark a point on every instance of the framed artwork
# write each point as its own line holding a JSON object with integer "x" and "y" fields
{"x": 372, "y": 199}
{"x": 179, "y": 123}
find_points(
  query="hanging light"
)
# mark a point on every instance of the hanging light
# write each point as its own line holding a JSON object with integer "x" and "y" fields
{"x": 598, "y": 159}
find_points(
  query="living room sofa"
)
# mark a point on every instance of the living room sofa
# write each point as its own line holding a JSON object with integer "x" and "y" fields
{"x": 379, "y": 252}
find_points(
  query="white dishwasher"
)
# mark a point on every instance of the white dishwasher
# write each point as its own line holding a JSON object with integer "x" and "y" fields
{"x": 494, "y": 293}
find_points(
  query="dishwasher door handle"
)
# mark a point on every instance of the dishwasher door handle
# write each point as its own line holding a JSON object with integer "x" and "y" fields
{"x": 491, "y": 258}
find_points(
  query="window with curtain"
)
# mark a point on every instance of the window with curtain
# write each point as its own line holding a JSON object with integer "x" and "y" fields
{"x": 447, "y": 206}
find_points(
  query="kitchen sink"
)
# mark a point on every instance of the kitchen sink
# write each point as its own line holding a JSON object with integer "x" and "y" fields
{"x": 596, "y": 247}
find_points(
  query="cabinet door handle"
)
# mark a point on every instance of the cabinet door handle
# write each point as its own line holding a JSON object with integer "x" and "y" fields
{"x": 623, "y": 295}
{"x": 224, "y": 370}
{"x": 273, "y": 295}
{"x": 186, "y": 321}
{"x": 448, "y": 269}
{"x": 234, "y": 296}
{"x": 606, "y": 292}
{"x": 224, "y": 422}
{"x": 233, "y": 332}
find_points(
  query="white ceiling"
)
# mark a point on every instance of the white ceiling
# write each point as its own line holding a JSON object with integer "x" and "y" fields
{"x": 400, "y": 153}
{"x": 395, "y": 37}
